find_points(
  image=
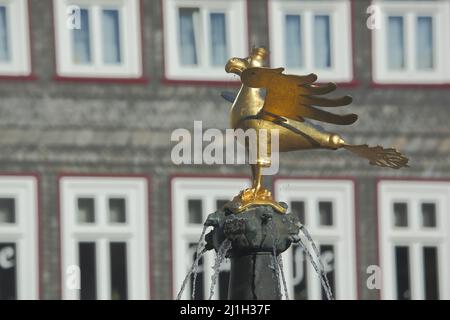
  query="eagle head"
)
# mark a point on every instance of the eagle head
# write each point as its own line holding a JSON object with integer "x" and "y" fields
{"x": 236, "y": 65}
{"x": 239, "y": 65}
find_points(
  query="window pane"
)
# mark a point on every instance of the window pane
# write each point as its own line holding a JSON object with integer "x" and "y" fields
{"x": 300, "y": 273}
{"x": 81, "y": 40}
{"x": 189, "y": 21}
{"x": 322, "y": 42}
{"x": 200, "y": 280}
{"x": 87, "y": 263}
{"x": 111, "y": 36}
{"x": 86, "y": 210}
{"x": 326, "y": 213}
{"x": 220, "y": 203}
{"x": 400, "y": 214}
{"x": 402, "y": 273}
{"x": 119, "y": 281}
{"x": 430, "y": 265}
{"x": 5, "y": 54}
{"x": 117, "y": 210}
{"x": 327, "y": 257}
{"x": 424, "y": 43}
{"x": 7, "y": 210}
{"x": 396, "y": 43}
{"x": 219, "y": 54}
{"x": 298, "y": 209}
{"x": 293, "y": 42}
{"x": 8, "y": 271}
{"x": 195, "y": 211}
{"x": 429, "y": 214}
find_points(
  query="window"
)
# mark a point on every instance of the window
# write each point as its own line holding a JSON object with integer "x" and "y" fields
{"x": 411, "y": 44}
{"x": 100, "y": 38}
{"x": 326, "y": 208}
{"x": 312, "y": 36}
{"x": 201, "y": 35}
{"x": 18, "y": 238}
{"x": 414, "y": 239}
{"x": 193, "y": 199}
{"x": 14, "y": 38}
{"x": 104, "y": 233}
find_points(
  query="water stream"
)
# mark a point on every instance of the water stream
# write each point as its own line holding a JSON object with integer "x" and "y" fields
{"x": 220, "y": 256}
{"x": 274, "y": 256}
{"x": 277, "y": 263}
{"x": 280, "y": 265}
{"x": 199, "y": 252}
{"x": 317, "y": 253}
{"x": 318, "y": 270}
{"x": 195, "y": 272}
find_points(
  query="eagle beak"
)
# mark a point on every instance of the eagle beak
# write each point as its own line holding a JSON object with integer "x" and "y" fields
{"x": 236, "y": 65}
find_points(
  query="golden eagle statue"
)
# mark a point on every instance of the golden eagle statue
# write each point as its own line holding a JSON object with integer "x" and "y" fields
{"x": 269, "y": 99}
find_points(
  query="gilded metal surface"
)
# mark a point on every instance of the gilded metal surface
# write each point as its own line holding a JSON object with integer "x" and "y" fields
{"x": 269, "y": 99}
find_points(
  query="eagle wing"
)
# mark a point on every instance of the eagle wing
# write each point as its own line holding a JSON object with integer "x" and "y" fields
{"x": 294, "y": 97}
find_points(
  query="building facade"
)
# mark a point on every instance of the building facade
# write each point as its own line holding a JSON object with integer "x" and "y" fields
{"x": 91, "y": 92}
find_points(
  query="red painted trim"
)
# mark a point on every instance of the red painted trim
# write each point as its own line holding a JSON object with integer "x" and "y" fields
{"x": 161, "y": 5}
{"x": 417, "y": 179}
{"x": 371, "y": 58}
{"x": 268, "y": 33}
{"x": 59, "y": 242}
{"x": 354, "y": 82}
{"x": 350, "y": 84}
{"x": 39, "y": 235}
{"x": 347, "y": 84}
{"x": 356, "y": 215}
{"x": 143, "y": 79}
{"x": 199, "y": 82}
{"x": 52, "y": 9}
{"x": 207, "y": 176}
{"x": 171, "y": 198}
{"x": 208, "y": 83}
{"x": 357, "y": 238}
{"x": 150, "y": 289}
{"x": 346, "y": 178}
{"x": 31, "y": 76}
{"x": 409, "y": 85}
{"x": 377, "y": 227}
{"x": 249, "y": 27}
{"x": 40, "y": 252}
{"x": 171, "y": 282}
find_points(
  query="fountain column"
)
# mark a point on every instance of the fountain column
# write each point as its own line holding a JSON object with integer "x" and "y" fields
{"x": 258, "y": 236}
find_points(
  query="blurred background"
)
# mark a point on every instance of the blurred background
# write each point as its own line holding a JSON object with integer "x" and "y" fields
{"x": 91, "y": 205}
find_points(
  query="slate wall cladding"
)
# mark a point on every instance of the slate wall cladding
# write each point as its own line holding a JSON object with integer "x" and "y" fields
{"x": 49, "y": 127}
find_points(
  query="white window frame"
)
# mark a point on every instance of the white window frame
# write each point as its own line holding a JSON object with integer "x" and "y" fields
{"x": 19, "y": 39}
{"x": 134, "y": 232}
{"x": 409, "y": 10}
{"x": 24, "y": 233}
{"x": 341, "y": 36}
{"x": 209, "y": 190}
{"x": 236, "y": 23}
{"x": 130, "y": 39}
{"x": 341, "y": 235}
{"x": 415, "y": 236}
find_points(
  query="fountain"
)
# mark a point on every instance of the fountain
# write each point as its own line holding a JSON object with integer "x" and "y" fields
{"x": 253, "y": 229}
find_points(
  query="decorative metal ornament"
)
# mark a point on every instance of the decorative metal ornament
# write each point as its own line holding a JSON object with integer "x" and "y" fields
{"x": 288, "y": 103}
